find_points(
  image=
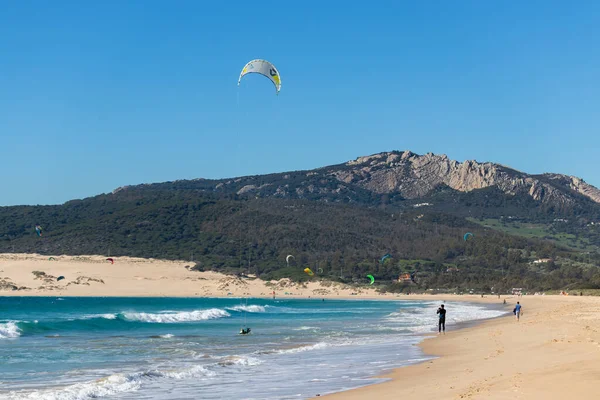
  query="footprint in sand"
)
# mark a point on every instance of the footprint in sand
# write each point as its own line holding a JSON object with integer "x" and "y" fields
{"x": 516, "y": 382}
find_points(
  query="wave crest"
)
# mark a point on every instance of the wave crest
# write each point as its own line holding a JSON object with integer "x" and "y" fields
{"x": 174, "y": 317}
{"x": 251, "y": 308}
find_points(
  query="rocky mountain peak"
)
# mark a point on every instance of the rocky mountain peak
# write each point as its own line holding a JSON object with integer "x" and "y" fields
{"x": 415, "y": 175}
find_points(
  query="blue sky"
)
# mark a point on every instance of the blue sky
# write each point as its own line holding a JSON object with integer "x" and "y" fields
{"x": 96, "y": 95}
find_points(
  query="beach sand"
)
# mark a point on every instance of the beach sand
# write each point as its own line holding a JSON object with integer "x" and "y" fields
{"x": 552, "y": 353}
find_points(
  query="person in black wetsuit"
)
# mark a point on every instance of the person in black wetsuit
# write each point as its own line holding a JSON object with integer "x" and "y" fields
{"x": 442, "y": 323}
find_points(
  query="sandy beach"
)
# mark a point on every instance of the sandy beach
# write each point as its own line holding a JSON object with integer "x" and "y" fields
{"x": 552, "y": 353}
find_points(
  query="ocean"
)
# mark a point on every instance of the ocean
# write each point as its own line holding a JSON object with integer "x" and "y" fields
{"x": 190, "y": 348}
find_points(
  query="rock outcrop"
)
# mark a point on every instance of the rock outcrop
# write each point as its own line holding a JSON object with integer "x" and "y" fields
{"x": 576, "y": 184}
{"x": 414, "y": 176}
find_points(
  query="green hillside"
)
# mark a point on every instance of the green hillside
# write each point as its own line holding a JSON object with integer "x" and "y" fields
{"x": 340, "y": 241}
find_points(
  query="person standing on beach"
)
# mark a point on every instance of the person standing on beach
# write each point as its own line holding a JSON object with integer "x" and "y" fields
{"x": 518, "y": 311}
{"x": 442, "y": 322}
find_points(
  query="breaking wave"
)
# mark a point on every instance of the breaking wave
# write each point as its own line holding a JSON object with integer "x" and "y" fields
{"x": 9, "y": 330}
{"x": 251, "y": 308}
{"x": 174, "y": 317}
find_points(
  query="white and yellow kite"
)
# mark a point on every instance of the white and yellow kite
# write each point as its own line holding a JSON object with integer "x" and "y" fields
{"x": 264, "y": 68}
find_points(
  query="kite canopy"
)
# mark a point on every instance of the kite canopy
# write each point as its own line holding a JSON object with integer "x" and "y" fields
{"x": 309, "y": 271}
{"x": 385, "y": 258}
{"x": 111, "y": 260}
{"x": 467, "y": 236}
{"x": 287, "y": 259}
{"x": 371, "y": 278}
{"x": 264, "y": 68}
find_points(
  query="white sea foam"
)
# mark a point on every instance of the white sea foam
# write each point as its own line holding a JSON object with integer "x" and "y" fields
{"x": 239, "y": 360}
{"x": 9, "y": 330}
{"x": 173, "y": 317}
{"x": 300, "y": 349}
{"x": 307, "y": 328}
{"x": 94, "y": 316}
{"x": 109, "y": 386}
{"x": 192, "y": 372}
{"x": 423, "y": 320}
{"x": 89, "y": 390}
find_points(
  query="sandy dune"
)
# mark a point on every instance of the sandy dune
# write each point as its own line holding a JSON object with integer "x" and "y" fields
{"x": 36, "y": 275}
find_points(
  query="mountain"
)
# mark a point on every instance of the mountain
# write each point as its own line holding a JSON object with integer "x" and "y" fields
{"x": 404, "y": 174}
{"x": 340, "y": 220}
{"x": 404, "y": 179}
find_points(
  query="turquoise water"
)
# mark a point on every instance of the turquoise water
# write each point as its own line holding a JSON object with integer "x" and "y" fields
{"x": 189, "y": 348}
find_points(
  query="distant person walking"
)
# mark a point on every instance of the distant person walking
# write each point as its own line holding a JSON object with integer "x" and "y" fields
{"x": 517, "y": 311}
{"x": 442, "y": 322}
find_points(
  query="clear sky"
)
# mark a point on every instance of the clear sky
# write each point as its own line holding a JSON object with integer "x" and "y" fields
{"x": 99, "y": 94}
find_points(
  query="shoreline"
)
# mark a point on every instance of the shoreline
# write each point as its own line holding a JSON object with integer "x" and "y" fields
{"x": 389, "y": 375}
{"x": 501, "y": 358}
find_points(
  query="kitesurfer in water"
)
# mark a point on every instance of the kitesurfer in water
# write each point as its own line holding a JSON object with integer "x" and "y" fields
{"x": 244, "y": 331}
{"x": 442, "y": 322}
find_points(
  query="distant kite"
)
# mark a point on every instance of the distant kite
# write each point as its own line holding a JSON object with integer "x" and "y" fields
{"x": 309, "y": 271}
{"x": 111, "y": 260}
{"x": 287, "y": 259}
{"x": 385, "y": 258}
{"x": 467, "y": 235}
{"x": 371, "y": 278}
{"x": 38, "y": 230}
